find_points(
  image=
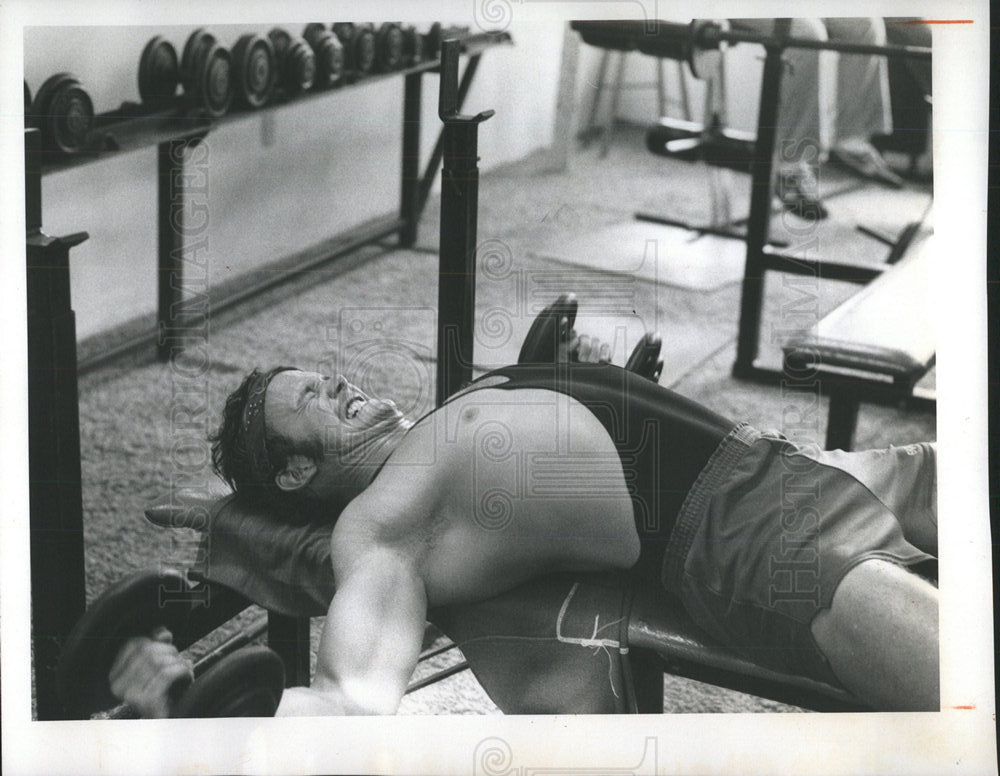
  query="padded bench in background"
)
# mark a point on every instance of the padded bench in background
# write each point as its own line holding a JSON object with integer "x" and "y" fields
{"x": 877, "y": 344}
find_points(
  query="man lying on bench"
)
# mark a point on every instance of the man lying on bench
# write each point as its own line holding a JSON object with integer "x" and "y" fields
{"x": 582, "y": 467}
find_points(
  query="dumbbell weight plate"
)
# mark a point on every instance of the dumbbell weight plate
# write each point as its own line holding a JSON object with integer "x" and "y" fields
{"x": 253, "y": 70}
{"x": 214, "y": 90}
{"x": 296, "y": 61}
{"x": 363, "y": 44}
{"x": 197, "y": 43}
{"x": 413, "y": 46}
{"x": 247, "y": 683}
{"x": 432, "y": 41}
{"x": 329, "y": 53}
{"x": 159, "y": 71}
{"x": 64, "y": 112}
{"x": 704, "y": 61}
{"x": 389, "y": 47}
{"x": 135, "y": 606}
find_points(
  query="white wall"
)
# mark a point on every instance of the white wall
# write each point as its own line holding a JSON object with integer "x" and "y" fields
{"x": 329, "y": 163}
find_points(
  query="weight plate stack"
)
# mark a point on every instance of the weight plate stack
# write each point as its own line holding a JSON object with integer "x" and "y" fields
{"x": 389, "y": 47}
{"x": 205, "y": 73}
{"x": 296, "y": 61}
{"x": 432, "y": 41}
{"x": 159, "y": 71}
{"x": 253, "y": 70}
{"x": 364, "y": 48}
{"x": 329, "y": 54}
{"x": 413, "y": 46}
{"x": 64, "y": 113}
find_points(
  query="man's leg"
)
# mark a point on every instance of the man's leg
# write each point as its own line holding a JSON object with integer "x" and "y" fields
{"x": 862, "y": 82}
{"x": 880, "y": 636}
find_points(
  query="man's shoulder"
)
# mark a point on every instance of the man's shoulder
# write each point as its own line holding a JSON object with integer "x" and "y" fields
{"x": 382, "y": 518}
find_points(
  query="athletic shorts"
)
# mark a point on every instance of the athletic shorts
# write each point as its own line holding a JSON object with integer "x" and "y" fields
{"x": 770, "y": 528}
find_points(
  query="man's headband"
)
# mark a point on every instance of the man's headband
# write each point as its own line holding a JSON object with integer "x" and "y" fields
{"x": 254, "y": 429}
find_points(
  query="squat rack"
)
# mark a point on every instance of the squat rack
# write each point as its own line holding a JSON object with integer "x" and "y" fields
{"x": 58, "y": 582}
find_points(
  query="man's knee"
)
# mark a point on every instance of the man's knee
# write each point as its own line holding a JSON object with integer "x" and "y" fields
{"x": 880, "y": 636}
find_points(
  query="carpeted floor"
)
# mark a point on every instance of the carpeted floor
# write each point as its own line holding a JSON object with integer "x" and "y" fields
{"x": 143, "y": 425}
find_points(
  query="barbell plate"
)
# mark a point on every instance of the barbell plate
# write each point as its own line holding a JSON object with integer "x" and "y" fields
{"x": 159, "y": 70}
{"x": 247, "y": 683}
{"x": 134, "y": 606}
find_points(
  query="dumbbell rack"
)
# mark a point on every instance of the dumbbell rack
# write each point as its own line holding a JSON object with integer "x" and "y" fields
{"x": 172, "y": 129}
{"x": 56, "y": 511}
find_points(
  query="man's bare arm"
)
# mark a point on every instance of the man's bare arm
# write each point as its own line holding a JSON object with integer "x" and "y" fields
{"x": 371, "y": 639}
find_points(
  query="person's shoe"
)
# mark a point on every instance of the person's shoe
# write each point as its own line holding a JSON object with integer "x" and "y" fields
{"x": 864, "y": 160}
{"x": 798, "y": 191}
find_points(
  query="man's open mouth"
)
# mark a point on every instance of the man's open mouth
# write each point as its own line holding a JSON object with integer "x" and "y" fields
{"x": 354, "y": 407}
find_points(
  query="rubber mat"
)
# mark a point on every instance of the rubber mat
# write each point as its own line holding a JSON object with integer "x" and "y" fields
{"x": 662, "y": 254}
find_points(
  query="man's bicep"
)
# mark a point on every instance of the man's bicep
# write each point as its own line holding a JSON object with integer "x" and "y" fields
{"x": 373, "y": 631}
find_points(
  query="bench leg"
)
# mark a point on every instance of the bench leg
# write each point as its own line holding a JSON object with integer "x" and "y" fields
{"x": 647, "y": 681}
{"x": 289, "y": 637}
{"x": 842, "y": 419}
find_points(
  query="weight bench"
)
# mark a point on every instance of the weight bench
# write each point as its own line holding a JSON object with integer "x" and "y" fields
{"x": 564, "y": 643}
{"x": 876, "y": 345}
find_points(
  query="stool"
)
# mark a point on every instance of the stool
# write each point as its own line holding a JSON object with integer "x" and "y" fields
{"x": 619, "y": 82}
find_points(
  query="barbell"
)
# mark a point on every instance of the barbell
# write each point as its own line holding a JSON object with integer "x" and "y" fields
{"x": 245, "y": 683}
{"x": 690, "y": 42}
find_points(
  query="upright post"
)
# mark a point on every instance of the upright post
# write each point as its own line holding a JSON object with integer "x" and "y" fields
{"x": 58, "y": 592}
{"x": 759, "y": 220}
{"x": 459, "y": 213}
{"x": 170, "y": 225}
{"x": 409, "y": 204}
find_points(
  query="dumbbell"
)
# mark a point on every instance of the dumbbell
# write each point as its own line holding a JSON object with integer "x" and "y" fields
{"x": 432, "y": 41}
{"x": 246, "y": 683}
{"x": 64, "y": 113}
{"x": 389, "y": 47}
{"x": 329, "y": 54}
{"x": 358, "y": 41}
{"x": 296, "y": 61}
{"x": 205, "y": 73}
{"x": 546, "y": 334}
{"x": 254, "y": 70}
{"x": 159, "y": 71}
{"x": 413, "y": 46}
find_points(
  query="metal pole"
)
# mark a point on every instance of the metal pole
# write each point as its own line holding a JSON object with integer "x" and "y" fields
{"x": 430, "y": 171}
{"x": 170, "y": 220}
{"x": 409, "y": 205}
{"x": 759, "y": 221}
{"x": 459, "y": 213}
{"x": 58, "y": 582}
